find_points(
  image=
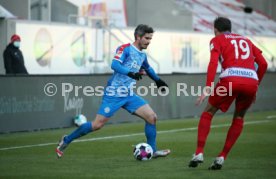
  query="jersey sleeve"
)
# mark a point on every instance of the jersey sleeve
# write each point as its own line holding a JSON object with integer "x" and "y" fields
{"x": 122, "y": 53}
{"x": 119, "y": 68}
{"x": 149, "y": 70}
{"x": 260, "y": 60}
{"x": 213, "y": 64}
{"x": 145, "y": 64}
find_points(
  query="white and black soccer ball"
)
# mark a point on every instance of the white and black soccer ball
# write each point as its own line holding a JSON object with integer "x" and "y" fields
{"x": 143, "y": 151}
{"x": 79, "y": 120}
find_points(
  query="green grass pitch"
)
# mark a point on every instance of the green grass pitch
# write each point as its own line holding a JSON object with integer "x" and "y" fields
{"x": 108, "y": 152}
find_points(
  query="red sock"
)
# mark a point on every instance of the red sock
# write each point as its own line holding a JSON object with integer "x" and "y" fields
{"x": 232, "y": 136}
{"x": 203, "y": 131}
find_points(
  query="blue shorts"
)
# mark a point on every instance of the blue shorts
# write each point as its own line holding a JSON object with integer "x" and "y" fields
{"x": 111, "y": 104}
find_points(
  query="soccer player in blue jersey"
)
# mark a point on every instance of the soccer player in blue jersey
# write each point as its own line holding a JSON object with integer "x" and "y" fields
{"x": 127, "y": 63}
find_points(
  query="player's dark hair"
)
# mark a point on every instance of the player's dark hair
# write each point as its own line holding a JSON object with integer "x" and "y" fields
{"x": 141, "y": 30}
{"x": 222, "y": 24}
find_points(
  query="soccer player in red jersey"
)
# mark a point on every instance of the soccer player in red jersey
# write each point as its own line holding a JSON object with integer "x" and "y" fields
{"x": 237, "y": 55}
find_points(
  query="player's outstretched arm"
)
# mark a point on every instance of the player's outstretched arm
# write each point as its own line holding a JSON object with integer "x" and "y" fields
{"x": 211, "y": 74}
{"x": 212, "y": 68}
{"x": 151, "y": 73}
{"x": 119, "y": 68}
{"x": 160, "y": 83}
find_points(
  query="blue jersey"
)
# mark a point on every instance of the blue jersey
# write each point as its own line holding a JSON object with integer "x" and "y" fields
{"x": 132, "y": 59}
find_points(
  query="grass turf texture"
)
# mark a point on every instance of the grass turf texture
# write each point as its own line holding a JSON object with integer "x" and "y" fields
{"x": 253, "y": 156}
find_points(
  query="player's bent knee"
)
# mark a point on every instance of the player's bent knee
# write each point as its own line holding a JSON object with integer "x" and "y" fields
{"x": 152, "y": 118}
{"x": 97, "y": 125}
{"x": 210, "y": 109}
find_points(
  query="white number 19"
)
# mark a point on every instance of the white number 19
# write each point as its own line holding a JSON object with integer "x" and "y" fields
{"x": 243, "y": 45}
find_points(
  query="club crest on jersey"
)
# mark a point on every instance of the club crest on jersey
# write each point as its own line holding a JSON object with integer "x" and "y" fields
{"x": 106, "y": 110}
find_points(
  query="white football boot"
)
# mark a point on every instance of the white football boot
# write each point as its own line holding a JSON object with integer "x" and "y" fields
{"x": 196, "y": 160}
{"x": 61, "y": 147}
{"x": 161, "y": 153}
{"x": 217, "y": 164}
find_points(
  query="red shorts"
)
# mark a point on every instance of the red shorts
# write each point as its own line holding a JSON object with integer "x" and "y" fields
{"x": 243, "y": 93}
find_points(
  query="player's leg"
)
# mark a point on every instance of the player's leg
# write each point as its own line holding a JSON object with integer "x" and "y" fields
{"x": 232, "y": 136}
{"x": 84, "y": 129}
{"x": 108, "y": 107}
{"x": 138, "y": 106}
{"x": 204, "y": 126}
{"x": 150, "y": 117}
{"x": 233, "y": 132}
{"x": 244, "y": 100}
{"x": 215, "y": 103}
{"x": 146, "y": 113}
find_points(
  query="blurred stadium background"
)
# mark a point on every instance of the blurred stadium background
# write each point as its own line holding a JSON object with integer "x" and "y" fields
{"x": 73, "y": 41}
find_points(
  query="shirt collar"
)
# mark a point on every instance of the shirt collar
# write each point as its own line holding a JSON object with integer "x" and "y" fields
{"x": 137, "y": 49}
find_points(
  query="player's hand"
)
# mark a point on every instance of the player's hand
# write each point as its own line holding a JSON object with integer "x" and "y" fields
{"x": 161, "y": 84}
{"x": 200, "y": 99}
{"x": 136, "y": 76}
{"x": 142, "y": 72}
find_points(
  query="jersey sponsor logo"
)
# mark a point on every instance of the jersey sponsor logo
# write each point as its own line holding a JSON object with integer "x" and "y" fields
{"x": 240, "y": 72}
{"x": 135, "y": 65}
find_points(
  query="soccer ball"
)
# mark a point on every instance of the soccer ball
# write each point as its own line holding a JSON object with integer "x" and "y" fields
{"x": 79, "y": 120}
{"x": 143, "y": 151}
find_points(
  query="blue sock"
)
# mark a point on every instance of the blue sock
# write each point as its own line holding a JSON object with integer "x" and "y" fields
{"x": 150, "y": 131}
{"x": 81, "y": 131}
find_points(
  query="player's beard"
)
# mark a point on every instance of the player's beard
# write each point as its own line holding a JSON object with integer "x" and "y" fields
{"x": 144, "y": 46}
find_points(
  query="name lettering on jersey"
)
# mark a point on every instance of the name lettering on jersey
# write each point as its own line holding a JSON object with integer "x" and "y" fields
{"x": 211, "y": 46}
{"x": 234, "y": 37}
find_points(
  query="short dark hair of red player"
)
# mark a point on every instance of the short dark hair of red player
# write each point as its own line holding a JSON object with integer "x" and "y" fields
{"x": 222, "y": 24}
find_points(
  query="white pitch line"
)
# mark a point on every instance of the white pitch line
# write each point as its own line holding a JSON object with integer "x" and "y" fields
{"x": 271, "y": 117}
{"x": 129, "y": 135}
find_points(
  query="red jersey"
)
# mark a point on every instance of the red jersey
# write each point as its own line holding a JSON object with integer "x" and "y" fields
{"x": 237, "y": 55}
